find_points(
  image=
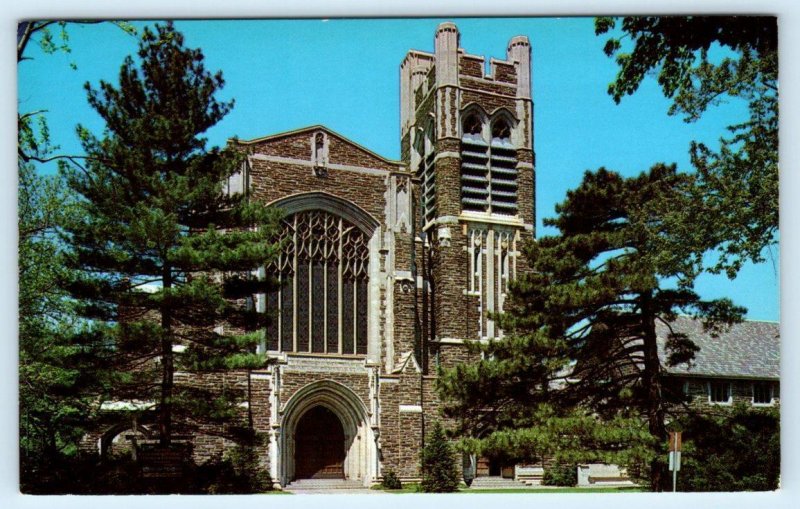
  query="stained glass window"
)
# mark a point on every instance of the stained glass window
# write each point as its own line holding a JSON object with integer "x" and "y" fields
{"x": 321, "y": 305}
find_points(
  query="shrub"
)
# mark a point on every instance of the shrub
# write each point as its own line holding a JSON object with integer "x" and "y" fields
{"x": 560, "y": 475}
{"x": 738, "y": 450}
{"x": 238, "y": 472}
{"x": 439, "y": 473}
{"x": 391, "y": 481}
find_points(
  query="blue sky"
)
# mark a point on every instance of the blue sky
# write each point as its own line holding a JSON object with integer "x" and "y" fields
{"x": 345, "y": 74}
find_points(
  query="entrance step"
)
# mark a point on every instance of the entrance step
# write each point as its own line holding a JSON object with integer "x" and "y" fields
{"x": 495, "y": 482}
{"x": 324, "y": 484}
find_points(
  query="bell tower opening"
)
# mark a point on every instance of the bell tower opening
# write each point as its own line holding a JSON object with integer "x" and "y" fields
{"x": 320, "y": 445}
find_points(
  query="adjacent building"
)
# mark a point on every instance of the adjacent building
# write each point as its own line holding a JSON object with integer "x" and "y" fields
{"x": 740, "y": 365}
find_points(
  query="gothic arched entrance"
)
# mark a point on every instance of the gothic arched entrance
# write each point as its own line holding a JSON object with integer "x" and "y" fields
{"x": 320, "y": 445}
{"x": 323, "y": 414}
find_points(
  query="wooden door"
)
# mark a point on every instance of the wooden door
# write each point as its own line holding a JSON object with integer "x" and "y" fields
{"x": 319, "y": 446}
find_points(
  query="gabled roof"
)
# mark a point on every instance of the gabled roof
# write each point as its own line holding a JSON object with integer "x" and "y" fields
{"x": 310, "y": 129}
{"x": 749, "y": 349}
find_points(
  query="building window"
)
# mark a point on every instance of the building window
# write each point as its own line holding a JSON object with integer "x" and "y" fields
{"x": 319, "y": 149}
{"x": 719, "y": 393}
{"x": 321, "y": 304}
{"x": 762, "y": 393}
{"x": 492, "y": 265}
{"x": 427, "y": 174}
{"x": 488, "y": 169}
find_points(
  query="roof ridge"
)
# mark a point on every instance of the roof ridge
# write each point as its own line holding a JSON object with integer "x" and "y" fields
{"x": 299, "y": 130}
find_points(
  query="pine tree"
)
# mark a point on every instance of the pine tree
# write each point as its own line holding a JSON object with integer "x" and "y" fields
{"x": 165, "y": 256}
{"x": 579, "y": 369}
{"x": 439, "y": 473}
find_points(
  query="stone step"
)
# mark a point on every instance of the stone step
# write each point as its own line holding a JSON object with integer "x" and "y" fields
{"x": 324, "y": 484}
{"x": 487, "y": 482}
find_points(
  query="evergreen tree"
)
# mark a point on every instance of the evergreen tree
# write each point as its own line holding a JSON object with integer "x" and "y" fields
{"x": 439, "y": 472}
{"x": 165, "y": 256}
{"x": 579, "y": 367}
{"x": 737, "y": 186}
{"x": 55, "y": 386}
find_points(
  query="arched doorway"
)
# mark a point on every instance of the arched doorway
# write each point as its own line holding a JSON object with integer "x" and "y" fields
{"x": 302, "y": 420}
{"x": 320, "y": 445}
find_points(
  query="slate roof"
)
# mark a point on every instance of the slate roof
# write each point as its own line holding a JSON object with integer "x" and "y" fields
{"x": 749, "y": 349}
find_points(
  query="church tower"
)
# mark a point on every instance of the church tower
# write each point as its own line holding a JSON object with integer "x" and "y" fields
{"x": 467, "y": 137}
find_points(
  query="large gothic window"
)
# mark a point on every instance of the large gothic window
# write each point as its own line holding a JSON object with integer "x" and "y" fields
{"x": 321, "y": 305}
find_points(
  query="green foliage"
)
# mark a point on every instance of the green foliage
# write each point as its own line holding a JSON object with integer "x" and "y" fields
{"x": 57, "y": 382}
{"x": 735, "y": 449}
{"x": 438, "y": 465}
{"x": 239, "y": 472}
{"x": 391, "y": 481}
{"x": 577, "y": 375}
{"x": 53, "y": 41}
{"x": 560, "y": 475}
{"x": 737, "y": 186}
{"x": 164, "y": 257}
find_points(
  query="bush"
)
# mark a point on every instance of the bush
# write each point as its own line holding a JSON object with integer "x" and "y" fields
{"x": 439, "y": 473}
{"x": 238, "y": 472}
{"x": 391, "y": 481}
{"x": 560, "y": 475}
{"x": 84, "y": 474}
{"x": 738, "y": 450}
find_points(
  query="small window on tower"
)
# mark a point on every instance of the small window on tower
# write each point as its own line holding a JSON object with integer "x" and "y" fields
{"x": 427, "y": 173}
{"x": 503, "y": 175}
{"x": 474, "y": 166}
{"x": 472, "y": 125}
{"x": 501, "y": 131}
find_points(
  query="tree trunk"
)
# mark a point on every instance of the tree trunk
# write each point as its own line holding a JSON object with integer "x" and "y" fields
{"x": 168, "y": 368}
{"x": 651, "y": 380}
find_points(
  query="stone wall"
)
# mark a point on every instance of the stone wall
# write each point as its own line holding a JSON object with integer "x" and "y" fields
{"x": 409, "y": 405}
{"x": 696, "y": 388}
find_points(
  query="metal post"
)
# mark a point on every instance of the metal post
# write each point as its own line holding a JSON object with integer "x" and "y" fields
{"x": 675, "y": 464}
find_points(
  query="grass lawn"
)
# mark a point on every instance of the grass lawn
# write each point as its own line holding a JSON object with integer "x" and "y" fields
{"x": 626, "y": 489}
{"x": 414, "y": 488}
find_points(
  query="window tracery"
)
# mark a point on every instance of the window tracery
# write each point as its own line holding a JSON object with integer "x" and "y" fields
{"x": 323, "y": 270}
{"x": 492, "y": 265}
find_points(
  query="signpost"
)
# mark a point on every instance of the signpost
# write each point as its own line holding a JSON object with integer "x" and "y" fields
{"x": 162, "y": 463}
{"x": 674, "y": 456}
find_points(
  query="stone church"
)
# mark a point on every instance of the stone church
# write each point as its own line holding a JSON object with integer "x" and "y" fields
{"x": 389, "y": 265}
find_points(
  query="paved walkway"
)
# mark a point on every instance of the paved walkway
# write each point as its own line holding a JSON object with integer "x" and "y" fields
{"x": 335, "y": 491}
